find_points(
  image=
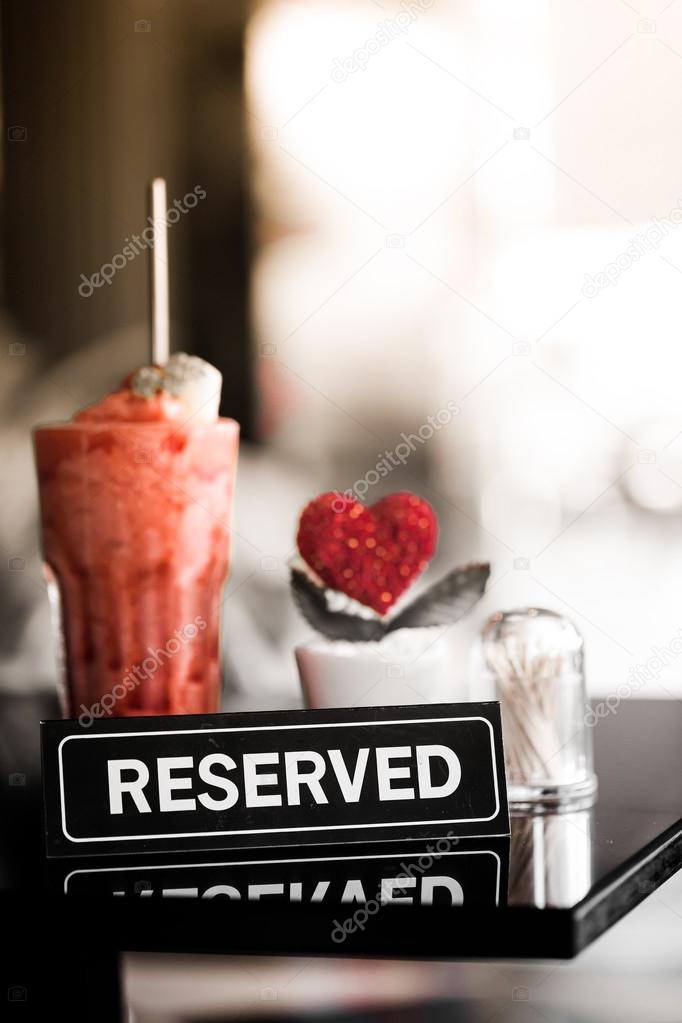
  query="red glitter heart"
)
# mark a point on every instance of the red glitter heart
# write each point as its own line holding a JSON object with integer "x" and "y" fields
{"x": 371, "y": 554}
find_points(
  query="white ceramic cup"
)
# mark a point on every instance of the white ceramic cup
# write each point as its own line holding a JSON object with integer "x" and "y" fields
{"x": 410, "y": 666}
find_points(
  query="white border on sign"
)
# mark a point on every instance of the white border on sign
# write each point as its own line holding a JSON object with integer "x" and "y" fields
{"x": 273, "y": 831}
{"x": 309, "y": 859}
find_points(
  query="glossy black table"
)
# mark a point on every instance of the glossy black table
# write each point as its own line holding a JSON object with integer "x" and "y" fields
{"x": 561, "y": 881}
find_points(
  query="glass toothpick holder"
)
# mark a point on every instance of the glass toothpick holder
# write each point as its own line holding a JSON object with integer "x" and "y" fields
{"x": 534, "y": 658}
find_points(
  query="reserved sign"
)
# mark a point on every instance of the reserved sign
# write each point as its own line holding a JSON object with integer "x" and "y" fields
{"x": 283, "y": 778}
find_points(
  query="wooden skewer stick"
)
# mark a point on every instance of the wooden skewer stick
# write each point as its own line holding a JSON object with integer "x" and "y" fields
{"x": 158, "y": 267}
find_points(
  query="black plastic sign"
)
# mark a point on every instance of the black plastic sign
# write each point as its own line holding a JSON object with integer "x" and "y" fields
{"x": 273, "y": 779}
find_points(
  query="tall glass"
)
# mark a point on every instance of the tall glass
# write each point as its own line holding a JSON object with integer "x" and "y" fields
{"x": 136, "y": 541}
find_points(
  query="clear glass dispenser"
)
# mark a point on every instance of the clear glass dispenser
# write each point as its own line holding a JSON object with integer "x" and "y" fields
{"x": 535, "y": 660}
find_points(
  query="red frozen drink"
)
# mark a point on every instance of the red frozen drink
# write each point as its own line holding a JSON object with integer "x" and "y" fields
{"x": 136, "y": 496}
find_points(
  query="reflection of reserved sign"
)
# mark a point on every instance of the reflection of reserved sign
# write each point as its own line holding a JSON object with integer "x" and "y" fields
{"x": 423, "y": 877}
{"x": 273, "y": 779}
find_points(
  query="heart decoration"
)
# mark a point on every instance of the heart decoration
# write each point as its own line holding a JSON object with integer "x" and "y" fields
{"x": 371, "y": 554}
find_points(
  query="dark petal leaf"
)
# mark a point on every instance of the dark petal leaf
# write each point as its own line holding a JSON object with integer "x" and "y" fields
{"x": 446, "y": 601}
{"x": 312, "y": 603}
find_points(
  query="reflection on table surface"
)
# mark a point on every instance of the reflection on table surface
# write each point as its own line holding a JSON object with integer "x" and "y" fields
{"x": 551, "y": 859}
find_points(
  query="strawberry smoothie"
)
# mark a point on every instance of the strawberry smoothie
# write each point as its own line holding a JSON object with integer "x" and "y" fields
{"x": 136, "y": 496}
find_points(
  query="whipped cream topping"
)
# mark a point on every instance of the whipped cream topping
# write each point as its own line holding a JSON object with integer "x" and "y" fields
{"x": 193, "y": 381}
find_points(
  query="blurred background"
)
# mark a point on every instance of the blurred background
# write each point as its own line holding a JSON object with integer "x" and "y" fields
{"x": 411, "y": 208}
{"x": 446, "y": 224}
